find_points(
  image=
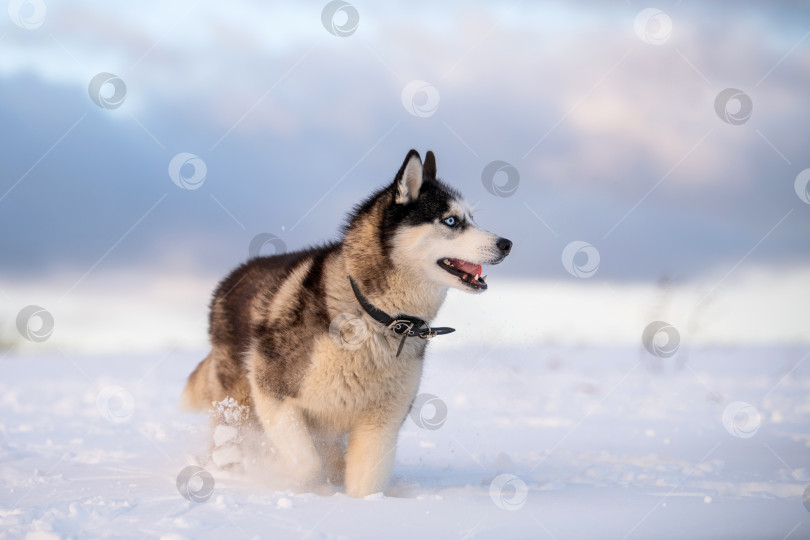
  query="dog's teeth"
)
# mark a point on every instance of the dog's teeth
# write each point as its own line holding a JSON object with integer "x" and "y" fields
{"x": 483, "y": 278}
{"x": 447, "y": 262}
{"x": 476, "y": 277}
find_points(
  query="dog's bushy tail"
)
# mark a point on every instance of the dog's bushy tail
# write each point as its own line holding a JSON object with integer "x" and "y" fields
{"x": 195, "y": 394}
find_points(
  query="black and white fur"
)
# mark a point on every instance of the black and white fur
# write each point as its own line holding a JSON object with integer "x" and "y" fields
{"x": 270, "y": 329}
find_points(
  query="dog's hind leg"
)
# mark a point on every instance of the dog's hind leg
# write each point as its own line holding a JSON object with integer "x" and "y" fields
{"x": 332, "y": 449}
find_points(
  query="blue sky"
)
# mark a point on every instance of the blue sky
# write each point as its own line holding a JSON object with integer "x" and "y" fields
{"x": 616, "y": 140}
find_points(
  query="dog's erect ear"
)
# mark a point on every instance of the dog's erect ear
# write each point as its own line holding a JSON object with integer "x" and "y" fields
{"x": 430, "y": 166}
{"x": 409, "y": 179}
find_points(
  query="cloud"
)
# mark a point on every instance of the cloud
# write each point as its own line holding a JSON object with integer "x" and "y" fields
{"x": 629, "y": 153}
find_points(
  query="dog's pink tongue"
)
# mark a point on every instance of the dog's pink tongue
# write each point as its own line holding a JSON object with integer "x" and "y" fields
{"x": 464, "y": 266}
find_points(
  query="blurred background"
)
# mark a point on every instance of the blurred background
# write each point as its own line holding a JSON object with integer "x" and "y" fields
{"x": 647, "y": 161}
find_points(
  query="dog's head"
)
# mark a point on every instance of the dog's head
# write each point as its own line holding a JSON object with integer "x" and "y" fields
{"x": 432, "y": 232}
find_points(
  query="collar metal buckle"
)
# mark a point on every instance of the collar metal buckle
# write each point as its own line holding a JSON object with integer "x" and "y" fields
{"x": 401, "y": 326}
{"x": 429, "y": 334}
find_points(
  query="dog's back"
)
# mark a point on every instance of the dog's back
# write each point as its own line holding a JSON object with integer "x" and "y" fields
{"x": 236, "y": 307}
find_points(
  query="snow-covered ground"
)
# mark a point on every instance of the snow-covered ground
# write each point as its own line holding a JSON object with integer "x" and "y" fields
{"x": 537, "y": 442}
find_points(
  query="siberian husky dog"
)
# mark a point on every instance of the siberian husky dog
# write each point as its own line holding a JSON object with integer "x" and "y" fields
{"x": 324, "y": 346}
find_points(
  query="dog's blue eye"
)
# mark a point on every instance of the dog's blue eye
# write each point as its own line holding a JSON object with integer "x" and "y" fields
{"x": 451, "y": 221}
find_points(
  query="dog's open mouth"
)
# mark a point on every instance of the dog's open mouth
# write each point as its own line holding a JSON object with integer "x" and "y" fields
{"x": 467, "y": 272}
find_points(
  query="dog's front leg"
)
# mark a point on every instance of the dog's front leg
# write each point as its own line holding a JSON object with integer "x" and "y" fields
{"x": 288, "y": 430}
{"x": 370, "y": 456}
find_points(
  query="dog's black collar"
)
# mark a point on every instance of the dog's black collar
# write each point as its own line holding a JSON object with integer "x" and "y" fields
{"x": 404, "y": 325}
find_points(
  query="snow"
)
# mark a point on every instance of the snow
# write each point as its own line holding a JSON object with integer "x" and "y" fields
{"x": 707, "y": 311}
{"x": 534, "y": 441}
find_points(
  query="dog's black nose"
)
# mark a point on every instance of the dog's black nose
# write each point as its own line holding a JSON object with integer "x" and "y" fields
{"x": 504, "y": 245}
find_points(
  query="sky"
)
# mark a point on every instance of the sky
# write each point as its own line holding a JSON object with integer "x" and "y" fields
{"x": 617, "y": 143}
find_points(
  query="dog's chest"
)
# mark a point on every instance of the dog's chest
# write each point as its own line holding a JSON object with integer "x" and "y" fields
{"x": 347, "y": 379}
